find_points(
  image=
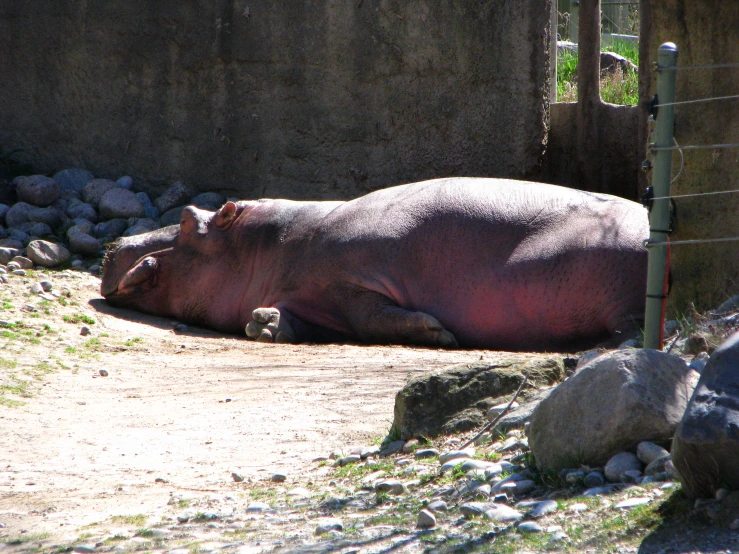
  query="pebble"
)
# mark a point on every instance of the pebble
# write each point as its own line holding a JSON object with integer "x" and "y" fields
{"x": 391, "y": 486}
{"x": 36, "y": 288}
{"x": 237, "y": 477}
{"x": 559, "y": 536}
{"x": 594, "y": 479}
{"x": 502, "y": 513}
{"x": 369, "y": 451}
{"x": 160, "y": 533}
{"x": 329, "y": 524}
{"x": 426, "y": 453}
{"x": 426, "y": 519}
{"x": 596, "y": 491}
{"x": 346, "y": 460}
{"x": 529, "y": 527}
{"x": 410, "y": 446}
{"x": 481, "y": 464}
{"x": 632, "y": 502}
{"x": 83, "y": 549}
{"x": 473, "y": 509}
{"x": 103, "y": 372}
{"x": 21, "y": 273}
{"x": 543, "y": 508}
{"x": 578, "y": 507}
{"x": 279, "y": 477}
{"x": 257, "y": 507}
{"x": 647, "y": 452}
{"x": 438, "y": 506}
{"x": 392, "y": 448}
{"x": 620, "y": 463}
{"x": 183, "y": 518}
{"x": 85, "y": 330}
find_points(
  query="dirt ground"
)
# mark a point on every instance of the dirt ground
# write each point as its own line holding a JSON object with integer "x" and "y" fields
{"x": 178, "y": 411}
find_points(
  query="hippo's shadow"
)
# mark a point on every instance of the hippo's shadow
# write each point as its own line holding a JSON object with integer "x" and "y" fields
{"x": 164, "y": 323}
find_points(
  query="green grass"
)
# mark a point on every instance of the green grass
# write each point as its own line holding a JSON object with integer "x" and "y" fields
{"x": 134, "y": 519}
{"x": 79, "y": 318}
{"x": 615, "y": 88}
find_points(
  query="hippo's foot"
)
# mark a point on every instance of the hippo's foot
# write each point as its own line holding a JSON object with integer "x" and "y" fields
{"x": 268, "y": 326}
{"x": 390, "y": 324}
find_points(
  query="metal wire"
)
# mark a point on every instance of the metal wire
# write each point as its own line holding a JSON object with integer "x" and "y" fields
{"x": 682, "y": 161}
{"x": 696, "y": 194}
{"x": 697, "y": 101}
{"x": 706, "y": 66}
{"x": 648, "y": 244}
{"x": 695, "y": 146}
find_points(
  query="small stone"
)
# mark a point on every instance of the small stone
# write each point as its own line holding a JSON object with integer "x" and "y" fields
{"x": 438, "y": 506}
{"x": 529, "y": 527}
{"x": 19, "y": 272}
{"x": 38, "y": 190}
{"x": 36, "y": 288}
{"x": 455, "y": 455}
{"x": 237, "y": 477}
{"x": 721, "y": 494}
{"x": 558, "y": 536}
{"x": 574, "y": 477}
{"x": 46, "y": 286}
{"x": 594, "y": 479}
{"x": 543, "y": 508}
{"x": 496, "y": 410}
{"x": 346, "y": 460}
{"x": 578, "y": 507}
{"x": 632, "y": 502}
{"x": 524, "y": 486}
{"x": 159, "y": 533}
{"x": 83, "y": 549}
{"x": 468, "y": 465}
{"x": 620, "y": 463}
{"x": 597, "y": 491}
{"x": 177, "y": 194}
{"x": 410, "y": 446}
{"x": 502, "y": 513}
{"x": 23, "y": 262}
{"x": 257, "y": 507}
{"x": 647, "y": 452}
{"x": 473, "y": 509}
{"x": 426, "y": 453}
{"x": 279, "y": 477}
{"x": 369, "y": 451}
{"x": 183, "y": 518}
{"x": 125, "y": 182}
{"x": 390, "y": 486}
{"x": 103, "y": 372}
{"x": 85, "y": 330}
{"x": 426, "y": 519}
{"x": 632, "y": 476}
{"x": 392, "y": 448}
{"x": 94, "y": 268}
{"x": 329, "y": 524}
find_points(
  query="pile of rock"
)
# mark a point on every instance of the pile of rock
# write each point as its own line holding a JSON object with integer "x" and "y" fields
{"x": 75, "y": 213}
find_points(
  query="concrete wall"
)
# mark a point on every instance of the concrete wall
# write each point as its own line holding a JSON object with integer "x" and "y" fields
{"x": 296, "y": 98}
{"x": 705, "y": 33}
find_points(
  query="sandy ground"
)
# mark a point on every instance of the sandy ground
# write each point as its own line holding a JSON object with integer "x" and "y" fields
{"x": 178, "y": 411}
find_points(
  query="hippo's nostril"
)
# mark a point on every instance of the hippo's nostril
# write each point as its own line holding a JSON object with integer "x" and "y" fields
{"x": 144, "y": 271}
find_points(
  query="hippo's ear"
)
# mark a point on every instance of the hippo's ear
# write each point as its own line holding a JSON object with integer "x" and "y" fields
{"x": 226, "y": 215}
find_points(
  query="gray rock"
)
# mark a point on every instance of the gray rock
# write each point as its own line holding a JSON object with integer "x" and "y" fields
{"x": 237, "y": 477}
{"x": 83, "y": 549}
{"x": 728, "y": 307}
{"x": 102, "y": 372}
{"x": 119, "y": 202}
{"x": 438, "y": 506}
{"x": 647, "y": 452}
{"x": 346, "y": 460}
{"x": 456, "y": 398}
{"x": 46, "y": 286}
{"x": 524, "y": 486}
{"x": 279, "y": 477}
{"x": 176, "y": 195}
{"x": 468, "y": 465}
{"x": 502, "y": 513}
{"x": 426, "y": 453}
{"x": 529, "y": 527}
{"x": 658, "y": 466}
{"x": 619, "y": 464}
{"x": 83, "y": 244}
{"x": 73, "y": 179}
{"x": 392, "y": 448}
{"x": 81, "y": 226}
{"x": 706, "y": 442}
{"x": 610, "y": 405}
{"x": 257, "y": 507}
{"x": 699, "y": 362}
{"x": 543, "y": 508}
{"x": 18, "y": 214}
{"x": 426, "y": 519}
{"x": 172, "y": 217}
{"x": 51, "y": 216}
{"x": 390, "y": 486}
{"x": 633, "y": 502}
{"x": 94, "y": 190}
{"x": 696, "y": 343}
{"x": 594, "y": 479}
{"x": 76, "y": 209}
{"x": 22, "y": 262}
{"x": 125, "y": 182}
{"x": 40, "y": 230}
{"x": 597, "y": 491}
{"x": 150, "y": 210}
{"x": 141, "y": 226}
{"x": 113, "y": 228}
{"x": 12, "y": 243}
{"x": 474, "y": 509}
{"x": 459, "y": 455}
{"x": 7, "y": 254}
{"x": 3, "y": 210}
{"x": 329, "y": 524}
{"x": 209, "y": 201}
{"x": 573, "y": 477}
{"x": 38, "y": 190}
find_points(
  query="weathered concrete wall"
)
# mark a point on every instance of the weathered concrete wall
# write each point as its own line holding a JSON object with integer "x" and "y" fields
{"x": 302, "y": 99}
{"x": 705, "y": 33}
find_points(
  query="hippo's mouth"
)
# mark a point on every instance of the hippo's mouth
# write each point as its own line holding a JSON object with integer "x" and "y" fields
{"x": 138, "y": 279}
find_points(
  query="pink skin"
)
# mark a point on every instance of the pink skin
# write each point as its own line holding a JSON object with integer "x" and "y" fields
{"x": 485, "y": 263}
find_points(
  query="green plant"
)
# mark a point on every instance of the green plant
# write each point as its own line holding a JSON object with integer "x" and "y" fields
{"x": 79, "y": 318}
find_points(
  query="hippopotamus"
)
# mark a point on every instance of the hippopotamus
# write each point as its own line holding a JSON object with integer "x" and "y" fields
{"x": 457, "y": 262}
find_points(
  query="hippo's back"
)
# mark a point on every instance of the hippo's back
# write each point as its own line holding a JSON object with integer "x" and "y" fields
{"x": 490, "y": 258}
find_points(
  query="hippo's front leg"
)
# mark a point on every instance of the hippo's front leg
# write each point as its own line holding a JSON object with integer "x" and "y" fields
{"x": 268, "y": 326}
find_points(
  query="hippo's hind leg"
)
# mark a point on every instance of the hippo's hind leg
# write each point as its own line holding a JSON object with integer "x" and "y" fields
{"x": 378, "y": 320}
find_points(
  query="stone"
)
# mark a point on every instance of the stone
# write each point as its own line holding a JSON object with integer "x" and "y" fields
{"x": 94, "y": 190}
{"x": 529, "y": 527}
{"x": 18, "y": 214}
{"x": 38, "y": 190}
{"x": 647, "y": 452}
{"x": 425, "y": 453}
{"x": 279, "y": 477}
{"x": 3, "y": 210}
{"x": 474, "y": 509}
{"x": 113, "y": 228}
{"x": 85, "y": 330}
{"x": 502, "y": 513}
{"x": 456, "y": 455}
{"x": 453, "y": 399}
{"x": 543, "y": 508}
{"x": 7, "y": 254}
{"x": 392, "y": 448}
{"x": 632, "y": 502}
{"x": 103, "y": 372}
{"x": 176, "y": 195}
{"x": 141, "y": 226}
{"x": 619, "y": 464}
{"x": 119, "y": 202}
{"x": 706, "y": 442}
{"x": 328, "y": 524}
{"x": 83, "y": 549}
{"x": 209, "y": 201}
{"x": 73, "y": 179}
{"x": 346, "y": 460}
{"x": 578, "y": 507}
{"x": 172, "y": 217}
{"x": 23, "y": 262}
{"x": 494, "y": 468}
{"x": 696, "y": 343}
{"x": 149, "y": 209}
{"x": 594, "y": 479}
{"x": 495, "y": 411}
{"x": 658, "y": 466}
{"x": 125, "y": 182}
{"x": 426, "y": 519}
{"x": 40, "y": 230}
{"x": 437, "y": 506}
{"x": 610, "y": 405}
{"x": 728, "y": 307}
{"x": 390, "y": 486}
{"x": 77, "y": 209}
{"x": 83, "y": 244}
{"x": 257, "y": 507}
{"x": 51, "y": 216}
{"x": 237, "y": 477}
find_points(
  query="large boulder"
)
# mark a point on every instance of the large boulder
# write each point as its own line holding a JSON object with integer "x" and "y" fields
{"x": 38, "y": 190}
{"x": 705, "y": 450}
{"x": 457, "y": 398}
{"x": 51, "y": 216}
{"x": 18, "y": 214}
{"x": 610, "y": 405}
{"x": 120, "y": 202}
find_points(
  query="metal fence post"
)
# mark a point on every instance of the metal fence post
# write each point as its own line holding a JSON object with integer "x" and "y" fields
{"x": 659, "y": 219}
